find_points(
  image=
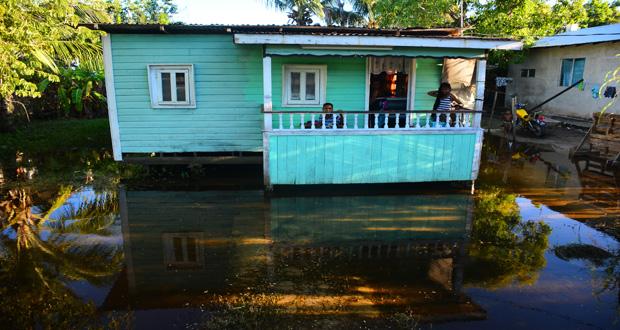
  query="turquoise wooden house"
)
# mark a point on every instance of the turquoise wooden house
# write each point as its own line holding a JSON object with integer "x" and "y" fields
{"x": 209, "y": 92}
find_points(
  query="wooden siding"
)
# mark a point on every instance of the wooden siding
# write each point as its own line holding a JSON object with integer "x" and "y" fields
{"x": 346, "y": 82}
{"x": 368, "y": 219}
{"x": 326, "y": 159}
{"x": 427, "y": 78}
{"x": 288, "y": 50}
{"x": 229, "y": 92}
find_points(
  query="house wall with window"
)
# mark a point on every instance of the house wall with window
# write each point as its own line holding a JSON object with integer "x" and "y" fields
{"x": 194, "y": 93}
{"x": 548, "y": 71}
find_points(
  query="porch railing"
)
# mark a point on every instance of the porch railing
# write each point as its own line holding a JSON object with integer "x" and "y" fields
{"x": 371, "y": 120}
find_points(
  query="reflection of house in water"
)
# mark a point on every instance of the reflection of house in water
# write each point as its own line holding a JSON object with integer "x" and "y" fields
{"x": 373, "y": 253}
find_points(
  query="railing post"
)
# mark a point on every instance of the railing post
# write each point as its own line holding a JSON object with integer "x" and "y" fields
{"x": 480, "y": 79}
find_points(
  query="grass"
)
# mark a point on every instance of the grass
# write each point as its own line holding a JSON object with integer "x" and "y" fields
{"x": 74, "y": 151}
{"x": 56, "y": 136}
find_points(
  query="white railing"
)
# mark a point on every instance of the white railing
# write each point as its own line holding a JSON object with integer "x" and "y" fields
{"x": 372, "y": 120}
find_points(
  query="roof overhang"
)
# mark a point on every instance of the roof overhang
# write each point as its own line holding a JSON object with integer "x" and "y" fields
{"x": 375, "y": 41}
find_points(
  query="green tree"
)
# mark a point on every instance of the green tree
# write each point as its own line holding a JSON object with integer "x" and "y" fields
{"x": 36, "y": 36}
{"x": 417, "y": 13}
{"x": 299, "y": 11}
{"x": 601, "y": 13}
{"x": 141, "y": 11}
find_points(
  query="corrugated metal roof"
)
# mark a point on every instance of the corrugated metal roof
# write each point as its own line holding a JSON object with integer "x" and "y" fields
{"x": 583, "y": 36}
{"x": 276, "y": 29}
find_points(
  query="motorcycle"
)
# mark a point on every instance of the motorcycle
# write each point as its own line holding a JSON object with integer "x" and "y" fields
{"x": 526, "y": 122}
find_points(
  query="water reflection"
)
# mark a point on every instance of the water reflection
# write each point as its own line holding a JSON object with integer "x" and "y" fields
{"x": 507, "y": 256}
{"x": 370, "y": 256}
{"x": 41, "y": 257}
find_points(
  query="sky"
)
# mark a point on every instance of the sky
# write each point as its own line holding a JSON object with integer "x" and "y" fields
{"x": 232, "y": 12}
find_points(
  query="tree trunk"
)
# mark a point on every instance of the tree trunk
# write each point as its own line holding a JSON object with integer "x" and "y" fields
{"x": 6, "y": 124}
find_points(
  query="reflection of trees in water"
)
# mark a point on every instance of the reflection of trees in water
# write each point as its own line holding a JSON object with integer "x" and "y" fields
{"x": 503, "y": 248}
{"x": 41, "y": 257}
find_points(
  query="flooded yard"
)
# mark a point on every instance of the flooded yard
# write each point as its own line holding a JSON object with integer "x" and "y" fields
{"x": 530, "y": 249}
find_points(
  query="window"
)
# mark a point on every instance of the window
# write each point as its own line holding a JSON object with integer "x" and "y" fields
{"x": 571, "y": 71}
{"x": 528, "y": 72}
{"x": 303, "y": 85}
{"x": 183, "y": 250}
{"x": 172, "y": 86}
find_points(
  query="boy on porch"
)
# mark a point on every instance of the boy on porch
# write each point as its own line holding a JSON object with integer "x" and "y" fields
{"x": 329, "y": 118}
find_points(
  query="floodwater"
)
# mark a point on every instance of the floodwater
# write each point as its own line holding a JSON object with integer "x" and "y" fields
{"x": 520, "y": 253}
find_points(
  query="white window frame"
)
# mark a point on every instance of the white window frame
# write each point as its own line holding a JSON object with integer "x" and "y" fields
{"x": 320, "y": 72}
{"x": 155, "y": 85}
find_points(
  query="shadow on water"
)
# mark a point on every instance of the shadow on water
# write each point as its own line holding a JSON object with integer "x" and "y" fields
{"x": 516, "y": 254}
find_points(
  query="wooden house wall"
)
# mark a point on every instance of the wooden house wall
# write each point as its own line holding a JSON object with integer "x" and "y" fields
{"x": 427, "y": 78}
{"x": 346, "y": 82}
{"x": 229, "y": 94}
{"x": 371, "y": 158}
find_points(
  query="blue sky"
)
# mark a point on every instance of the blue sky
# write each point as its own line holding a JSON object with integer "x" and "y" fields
{"x": 252, "y": 12}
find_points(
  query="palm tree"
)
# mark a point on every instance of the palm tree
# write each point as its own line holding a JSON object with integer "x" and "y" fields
{"x": 335, "y": 13}
{"x": 299, "y": 11}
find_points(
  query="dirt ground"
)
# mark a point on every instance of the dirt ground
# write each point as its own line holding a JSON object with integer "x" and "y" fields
{"x": 561, "y": 137}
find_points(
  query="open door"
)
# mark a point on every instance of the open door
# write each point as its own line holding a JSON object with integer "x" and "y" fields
{"x": 389, "y": 87}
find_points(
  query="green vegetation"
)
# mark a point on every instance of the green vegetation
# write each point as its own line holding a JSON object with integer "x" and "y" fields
{"x": 60, "y": 152}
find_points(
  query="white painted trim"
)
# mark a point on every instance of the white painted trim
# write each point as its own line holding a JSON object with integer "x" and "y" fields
{"x": 155, "y": 86}
{"x": 411, "y": 88}
{"x": 377, "y": 131}
{"x": 267, "y": 93}
{"x": 481, "y": 69}
{"x": 346, "y": 48}
{"x": 321, "y": 79}
{"x": 108, "y": 68}
{"x": 267, "y": 117}
{"x": 374, "y": 41}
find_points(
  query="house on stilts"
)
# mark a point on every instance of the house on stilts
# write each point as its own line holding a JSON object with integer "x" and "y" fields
{"x": 205, "y": 93}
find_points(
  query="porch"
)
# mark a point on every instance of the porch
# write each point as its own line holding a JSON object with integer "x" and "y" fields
{"x": 371, "y": 147}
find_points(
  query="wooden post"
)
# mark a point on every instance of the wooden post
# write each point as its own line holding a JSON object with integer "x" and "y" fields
{"x": 480, "y": 79}
{"x": 267, "y": 124}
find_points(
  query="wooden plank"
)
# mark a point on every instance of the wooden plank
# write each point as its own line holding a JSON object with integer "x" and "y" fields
{"x": 338, "y": 152}
{"x": 274, "y": 154}
{"x": 321, "y": 149}
{"x": 311, "y": 155}
{"x": 329, "y": 158}
{"x": 300, "y": 161}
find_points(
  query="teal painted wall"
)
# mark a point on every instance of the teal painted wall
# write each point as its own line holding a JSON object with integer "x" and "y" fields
{"x": 229, "y": 94}
{"x": 327, "y": 159}
{"x": 427, "y": 78}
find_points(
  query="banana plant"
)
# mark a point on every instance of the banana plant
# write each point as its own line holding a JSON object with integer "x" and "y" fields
{"x": 76, "y": 88}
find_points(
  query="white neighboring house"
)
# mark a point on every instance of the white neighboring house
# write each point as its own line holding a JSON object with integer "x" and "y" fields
{"x": 556, "y": 62}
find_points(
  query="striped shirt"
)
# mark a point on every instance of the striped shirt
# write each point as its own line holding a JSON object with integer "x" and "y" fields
{"x": 445, "y": 103}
